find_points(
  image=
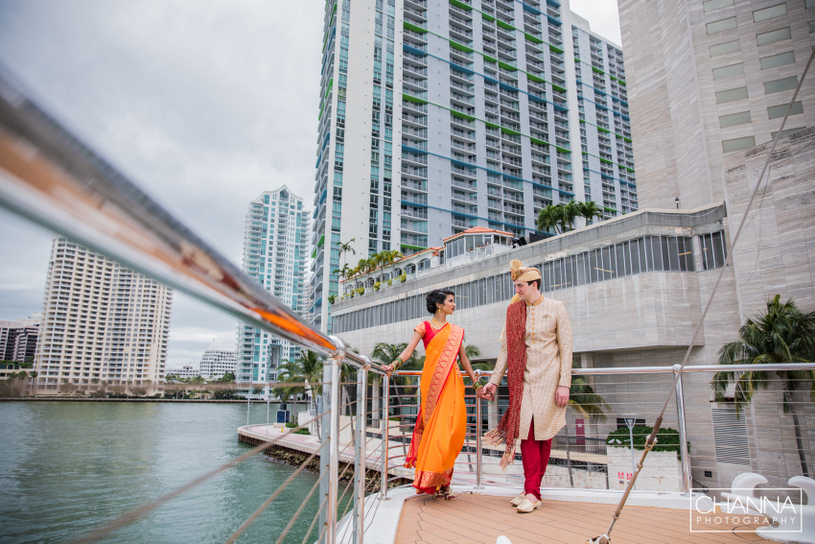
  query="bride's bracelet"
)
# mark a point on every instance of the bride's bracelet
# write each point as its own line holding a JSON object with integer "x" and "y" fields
{"x": 397, "y": 363}
{"x": 477, "y": 385}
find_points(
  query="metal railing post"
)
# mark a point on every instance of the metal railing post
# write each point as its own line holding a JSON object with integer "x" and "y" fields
{"x": 684, "y": 455}
{"x": 478, "y": 460}
{"x": 334, "y": 363}
{"x": 383, "y": 487}
{"x": 362, "y": 439}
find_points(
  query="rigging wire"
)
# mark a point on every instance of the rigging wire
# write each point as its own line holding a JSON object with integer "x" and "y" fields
{"x": 605, "y": 538}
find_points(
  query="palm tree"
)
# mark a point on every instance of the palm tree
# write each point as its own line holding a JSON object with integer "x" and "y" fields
{"x": 571, "y": 211}
{"x": 346, "y": 248}
{"x": 343, "y": 272}
{"x": 589, "y": 210}
{"x": 549, "y": 218}
{"x": 583, "y": 400}
{"x": 390, "y": 257}
{"x": 384, "y": 354}
{"x": 307, "y": 369}
{"x": 783, "y": 334}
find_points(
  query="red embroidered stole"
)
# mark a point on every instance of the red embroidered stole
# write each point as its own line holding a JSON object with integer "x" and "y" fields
{"x": 507, "y": 429}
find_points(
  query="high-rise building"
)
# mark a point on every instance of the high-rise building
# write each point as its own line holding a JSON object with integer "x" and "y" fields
{"x": 461, "y": 114}
{"x": 218, "y": 359}
{"x": 605, "y": 127}
{"x": 18, "y": 339}
{"x": 274, "y": 253}
{"x": 101, "y": 322}
{"x": 708, "y": 79}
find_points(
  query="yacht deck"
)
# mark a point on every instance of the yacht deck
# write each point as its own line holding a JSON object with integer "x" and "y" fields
{"x": 476, "y": 518}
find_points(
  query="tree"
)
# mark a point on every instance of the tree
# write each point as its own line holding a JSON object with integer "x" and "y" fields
{"x": 550, "y": 219}
{"x": 583, "y": 400}
{"x": 384, "y": 354}
{"x": 228, "y": 377}
{"x": 344, "y": 248}
{"x": 560, "y": 218}
{"x": 589, "y": 210}
{"x": 571, "y": 211}
{"x": 783, "y": 334}
{"x": 307, "y": 370}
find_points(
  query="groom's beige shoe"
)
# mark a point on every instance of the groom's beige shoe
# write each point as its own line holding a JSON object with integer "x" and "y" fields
{"x": 528, "y": 506}
{"x": 518, "y": 500}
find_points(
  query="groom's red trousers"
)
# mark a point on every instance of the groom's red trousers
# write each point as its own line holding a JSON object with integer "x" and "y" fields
{"x": 535, "y": 457}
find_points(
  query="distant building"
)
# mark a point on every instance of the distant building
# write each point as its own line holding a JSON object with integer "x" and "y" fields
{"x": 217, "y": 361}
{"x": 18, "y": 339}
{"x": 100, "y": 321}
{"x": 186, "y": 371}
{"x": 274, "y": 253}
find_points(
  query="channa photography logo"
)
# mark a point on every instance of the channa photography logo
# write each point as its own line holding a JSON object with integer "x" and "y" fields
{"x": 737, "y": 510}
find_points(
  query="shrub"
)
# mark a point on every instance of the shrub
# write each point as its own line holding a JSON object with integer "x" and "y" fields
{"x": 377, "y": 285}
{"x": 667, "y": 438}
{"x": 291, "y": 424}
{"x": 302, "y": 431}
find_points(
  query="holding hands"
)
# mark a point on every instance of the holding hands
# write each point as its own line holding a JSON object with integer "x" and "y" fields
{"x": 488, "y": 391}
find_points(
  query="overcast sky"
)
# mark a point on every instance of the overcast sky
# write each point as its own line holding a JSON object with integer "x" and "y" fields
{"x": 204, "y": 104}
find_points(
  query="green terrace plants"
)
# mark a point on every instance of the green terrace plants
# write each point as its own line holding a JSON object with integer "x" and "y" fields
{"x": 667, "y": 438}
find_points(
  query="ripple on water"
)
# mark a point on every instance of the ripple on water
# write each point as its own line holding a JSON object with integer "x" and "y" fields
{"x": 67, "y": 468}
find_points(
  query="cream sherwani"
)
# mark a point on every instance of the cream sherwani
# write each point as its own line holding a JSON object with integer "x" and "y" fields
{"x": 548, "y": 342}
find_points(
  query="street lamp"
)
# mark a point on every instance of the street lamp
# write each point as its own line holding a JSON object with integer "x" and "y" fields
{"x": 630, "y": 421}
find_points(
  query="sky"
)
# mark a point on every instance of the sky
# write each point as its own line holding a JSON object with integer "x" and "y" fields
{"x": 204, "y": 104}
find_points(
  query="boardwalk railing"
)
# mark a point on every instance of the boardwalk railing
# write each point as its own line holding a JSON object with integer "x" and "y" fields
{"x": 49, "y": 176}
{"x": 708, "y": 443}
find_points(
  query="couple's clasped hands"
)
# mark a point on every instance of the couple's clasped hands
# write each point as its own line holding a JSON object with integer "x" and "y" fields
{"x": 487, "y": 392}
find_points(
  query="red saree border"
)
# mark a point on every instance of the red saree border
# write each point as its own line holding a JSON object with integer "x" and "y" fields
{"x": 427, "y": 482}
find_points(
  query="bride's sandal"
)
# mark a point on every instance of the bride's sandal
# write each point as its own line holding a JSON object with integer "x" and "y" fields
{"x": 447, "y": 493}
{"x": 439, "y": 495}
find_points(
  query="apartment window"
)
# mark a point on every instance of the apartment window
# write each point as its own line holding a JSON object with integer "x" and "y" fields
{"x": 777, "y": 60}
{"x": 714, "y": 250}
{"x": 712, "y": 5}
{"x": 775, "y": 112}
{"x": 737, "y": 144}
{"x": 769, "y": 13}
{"x": 725, "y": 48}
{"x": 734, "y": 119}
{"x": 778, "y": 85}
{"x": 731, "y": 95}
{"x": 721, "y": 25}
{"x": 786, "y": 131}
{"x": 774, "y": 36}
{"x": 728, "y": 71}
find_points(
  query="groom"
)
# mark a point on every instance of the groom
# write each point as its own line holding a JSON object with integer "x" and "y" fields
{"x": 536, "y": 354}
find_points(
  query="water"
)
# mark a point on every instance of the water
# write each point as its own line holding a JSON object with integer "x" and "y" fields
{"x": 70, "y": 467}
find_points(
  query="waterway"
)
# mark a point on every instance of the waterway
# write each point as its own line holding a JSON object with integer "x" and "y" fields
{"x": 70, "y": 467}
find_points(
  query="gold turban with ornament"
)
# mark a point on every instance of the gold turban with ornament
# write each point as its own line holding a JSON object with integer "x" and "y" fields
{"x": 518, "y": 272}
{"x": 523, "y": 274}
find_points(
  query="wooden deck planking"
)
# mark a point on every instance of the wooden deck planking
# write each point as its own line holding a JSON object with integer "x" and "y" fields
{"x": 480, "y": 519}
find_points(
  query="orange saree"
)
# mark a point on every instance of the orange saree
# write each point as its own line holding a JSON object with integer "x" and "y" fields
{"x": 441, "y": 424}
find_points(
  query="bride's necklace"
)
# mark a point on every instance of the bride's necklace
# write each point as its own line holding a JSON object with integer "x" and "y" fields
{"x": 439, "y": 324}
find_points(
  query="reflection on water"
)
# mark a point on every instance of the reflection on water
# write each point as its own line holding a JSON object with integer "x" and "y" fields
{"x": 69, "y": 467}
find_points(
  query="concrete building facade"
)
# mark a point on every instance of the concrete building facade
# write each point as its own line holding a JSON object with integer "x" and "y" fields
{"x": 217, "y": 361}
{"x": 275, "y": 244}
{"x": 465, "y": 113}
{"x": 18, "y": 340}
{"x": 101, "y": 322}
{"x": 707, "y": 79}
